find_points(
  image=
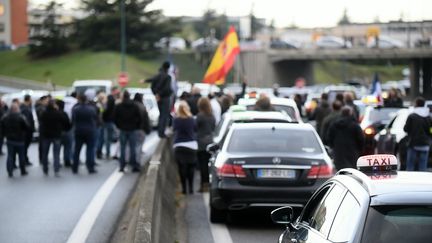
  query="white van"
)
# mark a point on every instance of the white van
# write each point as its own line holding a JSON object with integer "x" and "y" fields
{"x": 80, "y": 86}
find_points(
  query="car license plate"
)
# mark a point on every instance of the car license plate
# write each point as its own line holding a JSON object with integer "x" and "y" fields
{"x": 273, "y": 173}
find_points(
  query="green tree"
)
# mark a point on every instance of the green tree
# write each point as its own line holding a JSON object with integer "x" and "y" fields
{"x": 212, "y": 24}
{"x": 50, "y": 39}
{"x": 100, "y": 30}
{"x": 345, "y": 19}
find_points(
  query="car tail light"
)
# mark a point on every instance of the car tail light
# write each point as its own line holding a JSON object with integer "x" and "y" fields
{"x": 369, "y": 131}
{"x": 320, "y": 171}
{"x": 229, "y": 170}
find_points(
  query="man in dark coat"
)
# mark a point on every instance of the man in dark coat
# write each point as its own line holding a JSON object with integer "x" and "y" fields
{"x": 417, "y": 126}
{"x": 327, "y": 122}
{"x": 161, "y": 88}
{"x": 27, "y": 111}
{"x": 128, "y": 120}
{"x": 53, "y": 123}
{"x": 84, "y": 120}
{"x": 322, "y": 111}
{"x": 108, "y": 120}
{"x": 346, "y": 139}
{"x": 393, "y": 99}
{"x": 14, "y": 127}
{"x": 145, "y": 127}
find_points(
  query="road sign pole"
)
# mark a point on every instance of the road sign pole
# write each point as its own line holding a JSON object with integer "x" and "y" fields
{"x": 123, "y": 35}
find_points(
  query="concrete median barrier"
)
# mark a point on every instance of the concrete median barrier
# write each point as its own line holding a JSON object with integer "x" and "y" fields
{"x": 149, "y": 216}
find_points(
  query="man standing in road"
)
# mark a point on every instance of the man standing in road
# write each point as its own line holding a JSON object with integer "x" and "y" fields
{"x": 27, "y": 111}
{"x": 127, "y": 118}
{"x": 14, "y": 127}
{"x": 84, "y": 120}
{"x": 418, "y": 127}
{"x": 161, "y": 88}
{"x": 346, "y": 139}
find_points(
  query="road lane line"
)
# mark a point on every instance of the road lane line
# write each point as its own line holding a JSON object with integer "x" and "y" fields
{"x": 88, "y": 218}
{"x": 219, "y": 231}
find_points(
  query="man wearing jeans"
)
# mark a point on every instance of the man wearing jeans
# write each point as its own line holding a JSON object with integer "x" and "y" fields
{"x": 127, "y": 118}
{"x": 14, "y": 127}
{"x": 418, "y": 127}
{"x": 161, "y": 88}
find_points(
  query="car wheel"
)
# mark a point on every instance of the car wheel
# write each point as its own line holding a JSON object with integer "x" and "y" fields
{"x": 217, "y": 215}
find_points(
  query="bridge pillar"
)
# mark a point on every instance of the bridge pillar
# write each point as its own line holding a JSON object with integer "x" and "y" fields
{"x": 421, "y": 78}
{"x": 287, "y": 71}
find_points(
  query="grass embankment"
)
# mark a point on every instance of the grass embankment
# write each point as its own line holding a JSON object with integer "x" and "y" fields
{"x": 334, "y": 71}
{"x": 77, "y": 65}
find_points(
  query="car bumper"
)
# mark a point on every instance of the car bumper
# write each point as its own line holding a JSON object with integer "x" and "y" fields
{"x": 230, "y": 194}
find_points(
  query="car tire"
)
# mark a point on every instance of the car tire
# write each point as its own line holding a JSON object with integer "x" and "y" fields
{"x": 217, "y": 215}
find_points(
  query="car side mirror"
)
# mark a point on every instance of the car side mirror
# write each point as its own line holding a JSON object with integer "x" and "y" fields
{"x": 212, "y": 148}
{"x": 283, "y": 215}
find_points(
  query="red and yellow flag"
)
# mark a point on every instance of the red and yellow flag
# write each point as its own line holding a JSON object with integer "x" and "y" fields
{"x": 223, "y": 59}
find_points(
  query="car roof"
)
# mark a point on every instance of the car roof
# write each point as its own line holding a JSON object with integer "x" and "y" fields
{"x": 259, "y": 115}
{"x": 273, "y": 101}
{"x": 92, "y": 82}
{"x": 392, "y": 183}
{"x": 270, "y": 125}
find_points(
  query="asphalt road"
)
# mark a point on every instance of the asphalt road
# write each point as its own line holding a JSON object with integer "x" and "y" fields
{"x": 247, "y": 226}
{"x": 68, "y": 208}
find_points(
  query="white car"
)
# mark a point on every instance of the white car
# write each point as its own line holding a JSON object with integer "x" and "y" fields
{"x": 80, "y": 86}
{"x": 149, "y": 102}
{"x": 285, "y": 105}
{"x": 385, "y": 42}
{"x": 175, "y": 43}
{"x": 205, "y": 89}
{"x": 332, "y": 42}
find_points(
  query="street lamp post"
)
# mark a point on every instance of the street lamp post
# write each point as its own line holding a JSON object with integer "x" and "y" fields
{"x": 123, "y": 36}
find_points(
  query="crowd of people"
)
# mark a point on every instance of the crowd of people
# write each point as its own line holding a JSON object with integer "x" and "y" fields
{"x": 90, "y": 118}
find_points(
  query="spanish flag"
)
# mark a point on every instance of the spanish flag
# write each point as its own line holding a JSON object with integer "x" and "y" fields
{"x": 223, "y": 59}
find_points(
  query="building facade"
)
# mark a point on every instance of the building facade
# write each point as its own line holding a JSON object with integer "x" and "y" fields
{"x": 13, "y": 23}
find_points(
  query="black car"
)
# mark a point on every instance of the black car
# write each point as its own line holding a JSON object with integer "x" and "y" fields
{"x": 266, "y": 165}
{"x": 374, "y": 120}
{"x": 375, "y": 205}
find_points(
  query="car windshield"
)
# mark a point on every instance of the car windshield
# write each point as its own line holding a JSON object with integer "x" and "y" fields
{"x": 274, "y": 141}
{"x": 383, "y": 115}
{"x": 82, "y": 89}
{"x": 397, "y": 224}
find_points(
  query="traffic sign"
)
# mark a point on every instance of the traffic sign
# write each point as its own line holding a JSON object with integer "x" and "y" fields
{"x": 123, "y": 79}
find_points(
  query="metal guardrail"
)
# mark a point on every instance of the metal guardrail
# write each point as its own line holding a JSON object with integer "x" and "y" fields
{"x": 150, "y": 214}
{"x": 20, "y": 83}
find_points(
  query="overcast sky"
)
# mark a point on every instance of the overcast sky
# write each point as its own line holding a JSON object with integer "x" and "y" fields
{"x": 304, "y": 13}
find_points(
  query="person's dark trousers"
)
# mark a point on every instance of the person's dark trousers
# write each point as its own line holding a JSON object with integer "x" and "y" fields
{"x": 67, "y": 143}
{"x": 1, "y": 144}
{"x": 27, "y": 142}
{"x": 203, "y": 159}
{"x": 40, "y": 148}
{"x": 128, "y": 138}
{"x": 14, "y": 148}
{"x": 89, "y": 140}
{"x": 186, "y": 161}
{"x": 163, "y": 105}
{"x": 46, "y": 143}
{"x": 100, "y": 141}
{"x": 108, "y": 131}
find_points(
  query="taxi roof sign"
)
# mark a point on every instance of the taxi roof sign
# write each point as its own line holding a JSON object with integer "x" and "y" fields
{"x": 377, "y": 163}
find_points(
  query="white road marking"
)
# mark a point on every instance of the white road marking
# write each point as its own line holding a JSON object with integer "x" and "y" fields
{"x": 219, "y": 231}
{"x": 150, "y": 140}
{"x": 88, "y": 218}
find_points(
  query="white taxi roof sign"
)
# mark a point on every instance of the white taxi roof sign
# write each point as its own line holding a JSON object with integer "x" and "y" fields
{"x": 377, "y": 162}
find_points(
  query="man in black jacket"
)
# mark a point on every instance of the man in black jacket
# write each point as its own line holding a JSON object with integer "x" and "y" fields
{"x": 418, "y": 127}
{"x": 128, "y": 120}
{"x": 27, "y": 111}
{"x": 161, "y": 88}
{"x": 346, "y": 139}
{"x": 53, "y": 123}
{"x": 145, "y": 127}
{"x": 14, "y": 127}
{"x": 108, "y": 120}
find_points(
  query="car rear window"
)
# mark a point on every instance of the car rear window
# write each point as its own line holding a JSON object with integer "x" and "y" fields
{"x": 397, "y": 224}
{"x": 383, "y": 114}
{"x": 274, "y": 141}
{"x": 280, "y": 108}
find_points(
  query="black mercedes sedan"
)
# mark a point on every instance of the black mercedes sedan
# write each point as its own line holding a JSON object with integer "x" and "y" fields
{"x": 266, "y": 165}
